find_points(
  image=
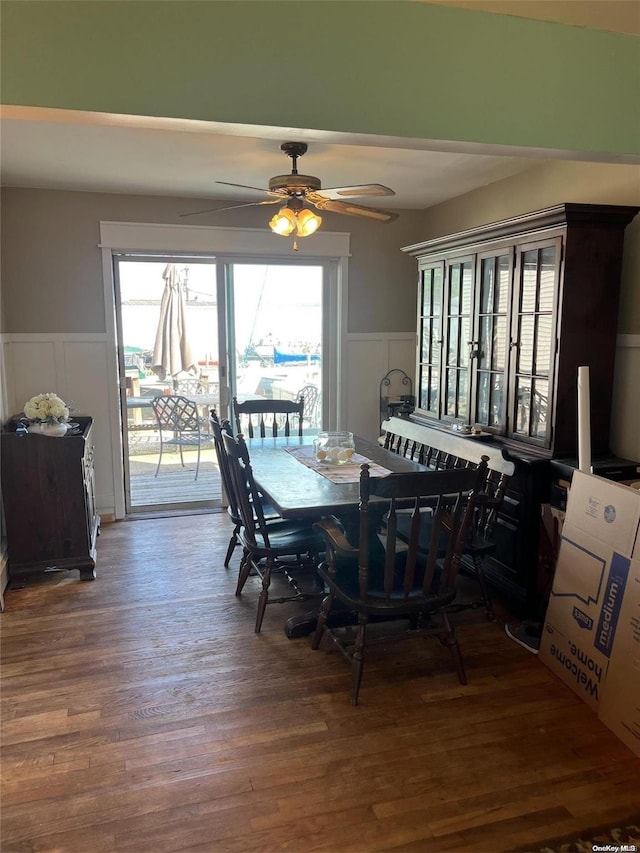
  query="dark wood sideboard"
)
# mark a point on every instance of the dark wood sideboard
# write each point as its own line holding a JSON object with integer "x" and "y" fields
{"x": 49, "y": 501}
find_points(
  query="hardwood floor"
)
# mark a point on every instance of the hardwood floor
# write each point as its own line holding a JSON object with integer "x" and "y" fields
{"x": 141, "y": 713}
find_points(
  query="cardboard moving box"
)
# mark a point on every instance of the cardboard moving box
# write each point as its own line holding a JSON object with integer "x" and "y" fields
{"x": 593, "y": 572}
{"x": 620, "y": 703}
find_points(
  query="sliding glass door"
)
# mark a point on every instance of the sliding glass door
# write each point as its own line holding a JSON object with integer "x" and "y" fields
{"x": 275, "y": 333}
{"x": 208, "y": 330}
{"x": 167, "y": 321}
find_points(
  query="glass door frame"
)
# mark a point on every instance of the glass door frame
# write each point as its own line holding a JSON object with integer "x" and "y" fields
{"x": 544, "y": 242}
{"x": 331, "y": 247}
{"x": 146, "y": 257}
{"x": 330, "y": 330}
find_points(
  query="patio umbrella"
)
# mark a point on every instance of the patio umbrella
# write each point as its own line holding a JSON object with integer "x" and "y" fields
{"x": 172, "y": 351}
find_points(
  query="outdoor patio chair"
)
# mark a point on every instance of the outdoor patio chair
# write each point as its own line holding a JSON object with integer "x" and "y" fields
{"x": 312, "y": 404}
{"x": 191, "y": 387}
{"x": 286, "y": 546}
{"x": 263, "y": 416}
{"x": 387, "y": 584}
{"x": 179, "y": 416}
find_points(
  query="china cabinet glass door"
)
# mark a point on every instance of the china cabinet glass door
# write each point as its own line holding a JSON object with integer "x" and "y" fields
{"x": 490, "y": 344}
{"x": 534, "y": 340}
{"x": 430, "y": 349}
{"x": 458, "y": 345}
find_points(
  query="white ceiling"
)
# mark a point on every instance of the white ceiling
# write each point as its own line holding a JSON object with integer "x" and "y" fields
{"x": 67, "y": 150}
{"x": 187, "y": 158}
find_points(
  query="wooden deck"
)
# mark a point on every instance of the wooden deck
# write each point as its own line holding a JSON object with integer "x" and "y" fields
{"x": 174, "y": 485}
{"x": 141, "y": 713}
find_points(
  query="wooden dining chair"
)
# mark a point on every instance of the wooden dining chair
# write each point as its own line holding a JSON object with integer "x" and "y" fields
{"x": 233, "y": 502}
{"x": 388, "y": 584}
{"x": 272, "y": 417}
{"x": 287, "y": 547}
{"x": 438, "y": 450}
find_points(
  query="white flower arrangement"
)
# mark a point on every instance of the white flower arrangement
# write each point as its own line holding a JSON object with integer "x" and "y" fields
{"x": 46, "y": 409}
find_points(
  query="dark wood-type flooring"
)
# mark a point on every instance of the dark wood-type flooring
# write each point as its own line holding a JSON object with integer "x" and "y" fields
{"x": 141, "y": 713}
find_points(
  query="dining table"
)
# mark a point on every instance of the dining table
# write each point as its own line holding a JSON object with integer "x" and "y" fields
{"x": 297, "y": 486}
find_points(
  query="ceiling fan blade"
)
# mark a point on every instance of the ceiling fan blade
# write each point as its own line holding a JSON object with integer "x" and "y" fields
{"x": 351, "y": 209}
{"x": 243, "y": 186}
{"x": 353, "y": 192}
{"x": 231, "y": 207}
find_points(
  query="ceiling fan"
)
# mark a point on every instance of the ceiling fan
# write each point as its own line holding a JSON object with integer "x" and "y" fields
{"x": 299, "y": 190}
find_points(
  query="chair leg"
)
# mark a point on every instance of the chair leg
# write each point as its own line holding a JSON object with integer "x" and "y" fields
{"x": 263, "y": 598}
{"x": 181, "y": 456}
{"x": 484, "y": 591}
{"x": 233, "y": 541}
{"x": 243, "y": 572}
{"x": 450, "y": 640}
{"x": 358, "y": 657}
{"x": 322, "y": 621}
{"x": 197, "y": 463}
{"x": 159, "y": 457}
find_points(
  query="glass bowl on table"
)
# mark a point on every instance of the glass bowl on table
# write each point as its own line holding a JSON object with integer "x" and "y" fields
{"x": 334, "y": 448}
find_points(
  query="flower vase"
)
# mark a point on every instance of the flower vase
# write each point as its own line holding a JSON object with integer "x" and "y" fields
{"x": 56, "y": 430}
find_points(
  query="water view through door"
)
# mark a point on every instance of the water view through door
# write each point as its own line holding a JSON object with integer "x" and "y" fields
{"x": 205, "y": 332}
{"x": 276, "y": 334}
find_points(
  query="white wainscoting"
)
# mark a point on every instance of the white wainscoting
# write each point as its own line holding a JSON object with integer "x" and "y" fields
{"x": 368, "y": 357}
{"x": 74, "y": 366}
{"x": 625, "y": 412}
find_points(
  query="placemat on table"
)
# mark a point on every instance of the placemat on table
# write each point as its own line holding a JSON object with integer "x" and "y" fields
{"x": 347, "y": 473}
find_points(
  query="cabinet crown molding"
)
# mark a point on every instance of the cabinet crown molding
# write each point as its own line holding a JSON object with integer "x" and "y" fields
{"x": 568, "y": 213}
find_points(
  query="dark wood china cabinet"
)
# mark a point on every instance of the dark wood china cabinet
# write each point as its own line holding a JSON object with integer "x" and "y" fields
{"x": 507, "y": 312}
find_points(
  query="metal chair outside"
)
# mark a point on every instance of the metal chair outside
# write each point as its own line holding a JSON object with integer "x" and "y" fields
{"x": 312, "y": 398}
{"x": 179, "y": 416}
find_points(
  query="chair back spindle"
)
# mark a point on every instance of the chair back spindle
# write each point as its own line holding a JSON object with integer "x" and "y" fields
{"x": 272, "y": 417}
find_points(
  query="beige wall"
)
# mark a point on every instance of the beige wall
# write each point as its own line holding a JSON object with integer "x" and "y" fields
{"x": 546, "y": 185}
{"x": 52, "y": 273}
{"x": 52, "y": 279}
{"x": 51, "y": 264}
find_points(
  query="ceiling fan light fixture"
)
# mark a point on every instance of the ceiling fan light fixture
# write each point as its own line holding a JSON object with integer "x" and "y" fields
{"x": 289, "y": 219}
{"x": 284, "y": 222}
{"x": 308, "y": 223}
